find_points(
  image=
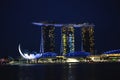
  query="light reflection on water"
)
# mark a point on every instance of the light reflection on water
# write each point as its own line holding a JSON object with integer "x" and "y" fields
{"x": 26, "y": 72}
{"x": 68, "y": 71}
{"x": 31, "y": 72}
{"x": 70, "y": 74}
{"x": 60, "y": 72}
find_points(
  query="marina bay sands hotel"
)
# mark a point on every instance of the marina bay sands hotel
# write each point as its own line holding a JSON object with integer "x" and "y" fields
{"x": 47, "y": 43}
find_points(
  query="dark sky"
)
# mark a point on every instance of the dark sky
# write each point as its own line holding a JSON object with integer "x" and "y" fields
{"x": 17, "y": 16}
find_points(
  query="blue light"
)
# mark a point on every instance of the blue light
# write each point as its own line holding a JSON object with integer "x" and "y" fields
{"x": 78, "y": 54}
{"x": 60, "y": 25}
{"x": 112, "y": 51}
{"x": 40, "y": 24}
{"x": 49, "y": 54}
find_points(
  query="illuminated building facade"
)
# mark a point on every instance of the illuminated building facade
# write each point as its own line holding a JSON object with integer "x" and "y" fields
{"x": 64, "y": 45}
{"x": 71, "y": 39}
{"x": 88, "y": 39}
{"x": 67, "y": 43}
{"x": 67, "y": 37}
{"x": 48, "y": 37}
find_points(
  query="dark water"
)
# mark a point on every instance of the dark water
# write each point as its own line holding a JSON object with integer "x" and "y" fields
{"x": 72, "y": 71}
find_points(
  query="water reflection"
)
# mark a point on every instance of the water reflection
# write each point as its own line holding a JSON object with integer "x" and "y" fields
{"x": 46, "y": 72}
{"x": 31, "y": 72}
{"x": 75, "y": 71}
{"x": 68, "y": 71}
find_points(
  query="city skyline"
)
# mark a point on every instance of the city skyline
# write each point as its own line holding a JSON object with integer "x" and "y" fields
{"x": 17, "y": 17}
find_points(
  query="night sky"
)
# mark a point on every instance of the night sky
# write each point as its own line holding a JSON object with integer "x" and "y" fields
{"x": 17, "y": 16}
